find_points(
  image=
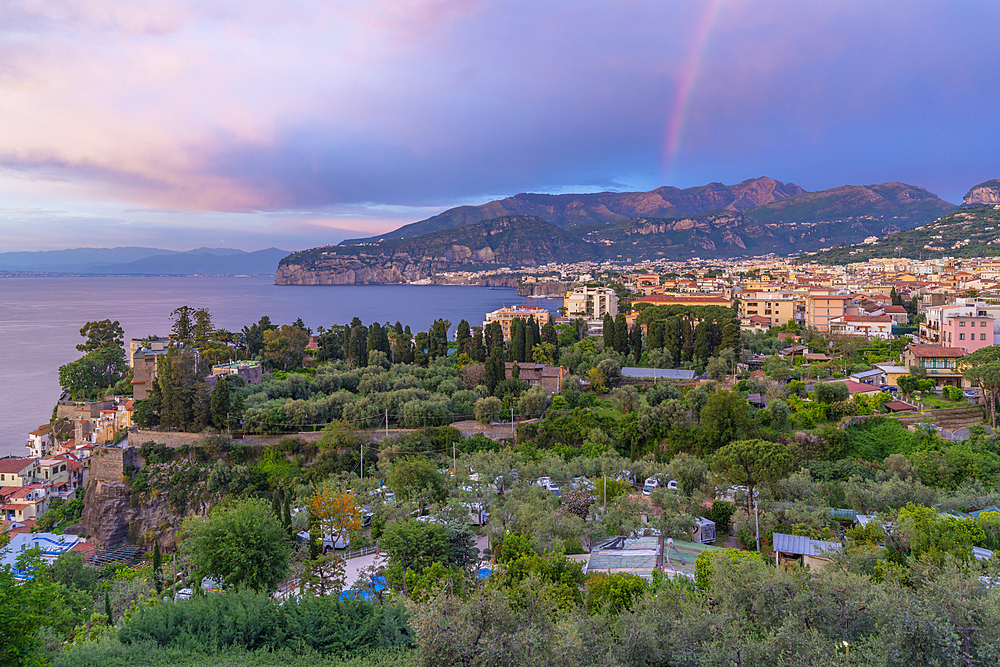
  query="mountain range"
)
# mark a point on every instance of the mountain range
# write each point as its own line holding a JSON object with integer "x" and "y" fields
{"x": 143, "y": 261}
{"x": 755, "y": 217}
{"x": 971, "y": 231}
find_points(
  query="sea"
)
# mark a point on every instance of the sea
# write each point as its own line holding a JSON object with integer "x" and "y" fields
{"x": 40, "y": 320}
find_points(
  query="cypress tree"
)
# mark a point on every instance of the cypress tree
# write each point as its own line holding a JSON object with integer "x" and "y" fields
{"x": 517, "y": 340}
{"x": 476, "y": 348}
{"x": 315, "y": 547}
{"x": 654, "y": 336}
{"x": 107, "y": 610}
{"x": 157, "y": 566}
{"x": 463, "y": 336}
{"x": 609, "y": 333}
{"x": 286, "y": 513}
{"x": 276, "y": 503}
{"x": 495, "y": 371}
{"x": 635, "y": 340}
{"x": 549, "y": 335}
{"x": 621, "y": 334}
{"x": 220, "y": 401}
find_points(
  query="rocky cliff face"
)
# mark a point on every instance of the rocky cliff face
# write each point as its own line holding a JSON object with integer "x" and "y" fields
{"x": 987, "y": 193}
{"x": 509, "y": 241}
{"x": 113, "y": 514}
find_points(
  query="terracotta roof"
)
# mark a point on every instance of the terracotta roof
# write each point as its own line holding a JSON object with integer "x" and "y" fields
{"x": 895, "y": 309}
{"x": 899, "y": 406}
{"x": 14, "y": 465}
{"x": 859, "y": 387}
{"x": 936, "y": 351}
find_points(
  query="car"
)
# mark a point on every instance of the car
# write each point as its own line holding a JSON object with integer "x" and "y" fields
{"x": 327, "y": 542}
{"x": 970, "y": 393}
{"x": 650, "y": 484}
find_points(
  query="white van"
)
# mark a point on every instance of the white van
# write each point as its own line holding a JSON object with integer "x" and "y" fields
{"x": 650, "y": 484}
{"x": 326, "y": 542}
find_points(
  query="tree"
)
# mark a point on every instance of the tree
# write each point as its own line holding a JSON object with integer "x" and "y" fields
{"x": 182, "y": 328}
{"x": 463, "y": 336}
{"x": 157, "y": 566}
{"x": 831, "y": 392}
{"x": 336, "y": 510}
{"x": 495, "y": 371}
{"x": 220, "y": 401}
{"x": 608, "y": 333}
{"x": 415, "y": 545}
{"x": 284, "y": 347}
{"x": 726, "y": 417}
{"x": 621, "y": 334}
{"x": 908, "y": 384}
{"x": 101, "y": 334}
{"x": 982, "y": 367}
{"x": 751, "y": 463}
{"x": 240, "y": 544}
{"x": 416, "y": 475}
{"x": 635, "y": 342}
{"x": 690, "y": 472}
{"x": 97, "y": 370}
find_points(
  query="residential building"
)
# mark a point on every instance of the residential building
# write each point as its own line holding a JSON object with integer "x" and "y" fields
{"x": 40, "y": 442}
{"x": 251, "y": 371}
{"x": 968, "y": 332}
{"x": 821, "y": 308}
{"x": 548, "y": 377}
{"x": 694, "y": 299}
{"x": 16, "y": 471}
{"x": 28, "y": 502}
{"x": 777, "y": 309}
{"x": 153, "y": 343}
{"x": 941, "y": 363}
{"x": 508, "y": 314}
{"x": 869, "y": 326}
{"x": 591, "y": 303}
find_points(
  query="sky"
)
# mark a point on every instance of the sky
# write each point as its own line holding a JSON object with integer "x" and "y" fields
{"x": 258, "y": 123}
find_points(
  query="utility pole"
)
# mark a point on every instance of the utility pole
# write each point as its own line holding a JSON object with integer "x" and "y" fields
{"x": 387, "y": 422}
{"x": 756, "y": 518}
{"x": 362, "y": 461}
{"x": 454, "y": 466}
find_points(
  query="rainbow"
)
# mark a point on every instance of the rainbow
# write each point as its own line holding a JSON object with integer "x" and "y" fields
{"x": 689, "y": 74}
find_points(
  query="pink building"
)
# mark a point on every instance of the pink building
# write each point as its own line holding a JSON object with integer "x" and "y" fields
{"x": 967, "y": 332}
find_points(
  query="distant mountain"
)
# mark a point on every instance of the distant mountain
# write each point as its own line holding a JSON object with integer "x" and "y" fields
{"x": 968, "y": 232}
{"x": 905, "y": 205}
{"x": 507, "y": 241}
{"x": 570, "y": 210}
{"x": 987, "y": 192}
{"x": 138, "y": 260}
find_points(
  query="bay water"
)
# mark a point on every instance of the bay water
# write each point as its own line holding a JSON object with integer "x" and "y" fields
{"x": 40, "y": 320}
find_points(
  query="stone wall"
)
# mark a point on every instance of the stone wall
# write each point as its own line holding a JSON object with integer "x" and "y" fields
{"x": 109, "y": 463}
{"x": 178, "y": 439}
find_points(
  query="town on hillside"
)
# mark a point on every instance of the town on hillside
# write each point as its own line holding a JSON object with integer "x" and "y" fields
{"x": 673, "y": 424}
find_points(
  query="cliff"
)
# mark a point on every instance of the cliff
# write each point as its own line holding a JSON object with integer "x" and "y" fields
{"x": 509, "y": 241}
{"x": 987, "y": 193}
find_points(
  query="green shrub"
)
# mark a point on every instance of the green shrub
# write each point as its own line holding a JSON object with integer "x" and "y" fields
{"x": 253, "y": 622}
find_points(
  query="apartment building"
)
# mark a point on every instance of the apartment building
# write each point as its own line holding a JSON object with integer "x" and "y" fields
{"x": 867, "y": 326}
{"x": 821, "y": 308}
{"x": 592, "y": 303}
{"x": 508, "y": 314}
{"x": 778, "y": 309}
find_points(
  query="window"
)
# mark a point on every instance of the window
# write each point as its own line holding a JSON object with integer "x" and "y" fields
{"x": 962, "y": 323}
{"x": 982, "y": 336}
{"x": 982, "y": 324}
{"x": 961, "y": 336}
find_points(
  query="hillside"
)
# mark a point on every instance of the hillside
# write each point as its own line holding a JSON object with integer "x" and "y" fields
{"x": 987, "y": 192}
{"x": 968, "y": 232}
{"x": 508, "y": 241}
{"x": 571, "y": 210}
{"x": 722, "y": 234}
{"x": 892, "y": 203}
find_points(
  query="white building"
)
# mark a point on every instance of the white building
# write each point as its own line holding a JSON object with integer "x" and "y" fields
{"x": 591, "y": 303}
{"x": 869, "y": 326}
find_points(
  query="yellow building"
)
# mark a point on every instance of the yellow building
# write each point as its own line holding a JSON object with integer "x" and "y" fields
{"x": 777, "y": 309}
{"x": 508, "y": 314}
